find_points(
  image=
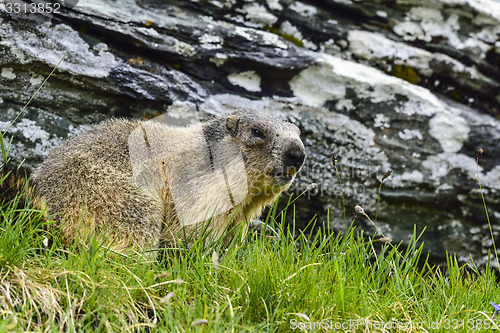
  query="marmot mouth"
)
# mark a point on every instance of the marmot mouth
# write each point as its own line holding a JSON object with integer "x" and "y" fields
{"x": 290, "y": 172}
{"x": 285, "y": 175}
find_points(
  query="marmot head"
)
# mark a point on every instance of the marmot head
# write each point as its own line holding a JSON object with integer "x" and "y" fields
{"x": 271, "y": 148}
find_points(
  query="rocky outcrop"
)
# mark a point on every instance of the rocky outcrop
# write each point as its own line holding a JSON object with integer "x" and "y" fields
{"x": 411, "y": 86}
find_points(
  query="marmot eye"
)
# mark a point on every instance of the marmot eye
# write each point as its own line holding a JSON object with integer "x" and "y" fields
{"x": 258, "y": 133}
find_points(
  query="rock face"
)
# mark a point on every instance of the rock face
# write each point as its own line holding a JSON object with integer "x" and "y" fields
{"x": 411, "y": 86}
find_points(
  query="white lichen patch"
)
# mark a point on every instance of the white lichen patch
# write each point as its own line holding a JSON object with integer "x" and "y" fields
{"x": 368, "y": 45}
{"x": 421, "y": 24}
{"x": 4, "y": 125}
{"x": 127, "y": 10}
{"x": 329, "y": 47}
{"x": 36, "y": 79}
{"x": 216, "y": 3}
{"x": 259, "y": 15}
{"x": 441, "y": 164}
{"x": 330, "y": 76}
{"x": 59, "y": 40}
{"x": 317, "y": 84}
{"x": 8, "y": 73}
{"x": 274, "y": 4}
{"x": 219, "y": 59}
{"x": 425, "y": 23}
{"x": 449, "y": 130}
{"x": 244, "y": 32}
{"x": 248, "y": 80}
{"x": 303, "y": 9}
{"x": 150, "y": 32}
{"x": 486, "y": 7}
{"x": 30, "y": 130}
{"x": 409, "y": 134}
{"x": 21, "y": 57}
{"x": 273, "y": 40}
{"x": 403, "y": 179}
{"x": 409, "y": 30}
{"x": 381, "y": 121}
{"x": 344, "y": 105}
{"x": 492, "y": 178}
{"x": 44, "y": 142}
{"x": 182, "y": 48}
{"x": 211, "y": 42}
{"x": 289, "y": 29}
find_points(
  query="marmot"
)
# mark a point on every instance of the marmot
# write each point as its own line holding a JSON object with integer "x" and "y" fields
{"x": 144, "y": 184}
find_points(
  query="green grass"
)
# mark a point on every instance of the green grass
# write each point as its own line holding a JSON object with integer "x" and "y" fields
{"x": 267, "y": 282}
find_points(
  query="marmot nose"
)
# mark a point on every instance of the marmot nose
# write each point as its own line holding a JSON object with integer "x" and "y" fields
{"x": 295, "y": 156}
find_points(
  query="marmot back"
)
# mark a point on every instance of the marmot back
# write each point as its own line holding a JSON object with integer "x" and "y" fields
{"x": 142, "y": 184}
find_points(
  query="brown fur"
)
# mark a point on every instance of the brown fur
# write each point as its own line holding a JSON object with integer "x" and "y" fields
{"x": 93, "y": 177}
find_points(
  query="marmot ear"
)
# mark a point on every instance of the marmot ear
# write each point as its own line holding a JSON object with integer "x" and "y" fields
{"x": 232, "y": 122}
